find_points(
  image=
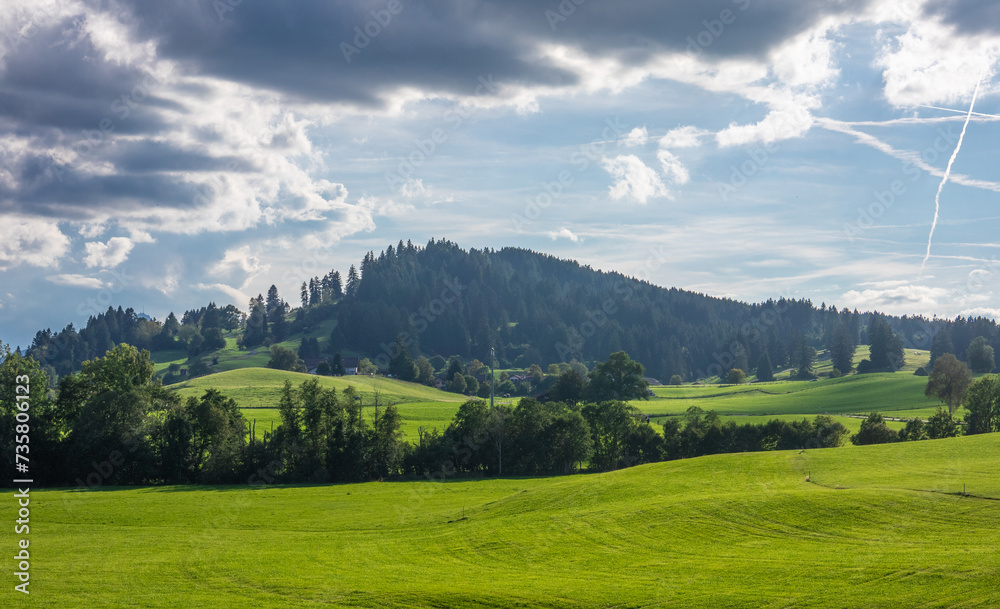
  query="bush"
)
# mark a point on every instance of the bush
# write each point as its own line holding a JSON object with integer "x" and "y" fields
{"x": 921, "y": 371}
{"x": 865, "y": 366}
{"x": 736, "y": 376}
{"x": 835, "y": 374}
{"x": 874, "y": 431}
{"x": 676, "y": 380}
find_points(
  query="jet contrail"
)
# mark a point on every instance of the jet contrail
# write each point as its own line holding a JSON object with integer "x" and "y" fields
{"x": 947, "y": 172}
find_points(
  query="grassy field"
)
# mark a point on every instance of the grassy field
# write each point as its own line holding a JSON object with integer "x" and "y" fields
{"x": 257, "y": 391}
{"x": 900, "y": 395}
{"x": 913, "y": 358}
{"x": 414, "y": 415}
{"x": 261, "y": 387}
{"x": 878, "y": 526}
{"x": 232, "y": 358}
{"x": 859, "y": 394}
{"x": 853, "y": 424}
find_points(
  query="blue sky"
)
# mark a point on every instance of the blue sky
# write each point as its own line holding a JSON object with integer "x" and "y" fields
{"x": 162, "y": 155}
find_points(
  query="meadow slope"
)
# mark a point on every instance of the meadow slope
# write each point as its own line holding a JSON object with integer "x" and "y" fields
{"x": 879, "y": 526}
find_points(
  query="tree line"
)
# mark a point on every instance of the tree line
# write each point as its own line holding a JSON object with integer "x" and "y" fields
{"x": 530, "y": 308}
{"x": 114, "y": 423}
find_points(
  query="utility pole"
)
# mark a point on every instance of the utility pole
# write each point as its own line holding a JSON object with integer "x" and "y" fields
{"x": 493, "y": 374}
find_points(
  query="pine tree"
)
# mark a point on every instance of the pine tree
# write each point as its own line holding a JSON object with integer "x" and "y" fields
{"x": 805, "y": 357}
{"x": 764, "y": 371}
{"x": 353, "y": 281}
{"x": 941, "y": 344}
{"x": 337, "y": 284}
{"x": 842, "y": 349}
{"x": 886, "y": 346}
{"x": 273, "y": 301}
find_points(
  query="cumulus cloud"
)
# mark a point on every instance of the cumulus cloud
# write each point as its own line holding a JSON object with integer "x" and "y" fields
{"x": 235, "y": 294}
{"x": 688, "y": 136}
{"x": 930, "y": 63}
{"x": 384, "y": 207}
{"x": 77, "y": 281}
{"x": 790, "y": 121}
{"x": 806, "y": 60}
{"x": 899, "y": 298}
{"x": 672, "y": 167}
{"x": 564, "y": 233}
{"x": 107, "y": 255}
{"x": 634, "y": 180}
{"x": 636, "y": 137}
{"x": 413, "y": 187}
{"x": 239, "y": 259}
{"x": 31, "y": 241}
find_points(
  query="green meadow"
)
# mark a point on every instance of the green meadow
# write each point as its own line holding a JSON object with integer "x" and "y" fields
{"x": 257, "y": 391}
{"x": 899, "y": 395}
{"x": 875, "y": 526}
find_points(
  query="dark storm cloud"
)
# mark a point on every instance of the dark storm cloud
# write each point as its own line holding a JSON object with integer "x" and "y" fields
{"x": 147, "y": 156}
{"x": 969, "y": 16}
{"x": 46, "y": 188}
{"x": 56, "y": 79}
{"x": 297, "y": 47}
{"x": 57, "y": 89}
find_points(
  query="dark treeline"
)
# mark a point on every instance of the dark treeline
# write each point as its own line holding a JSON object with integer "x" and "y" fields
{"x": 539, "y": 309}
{"x": 532, "y": 308}
{"x": 114, "y": 423}
{"x": 198, "y": 331}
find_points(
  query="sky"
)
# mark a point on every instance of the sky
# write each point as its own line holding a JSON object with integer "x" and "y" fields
{"x": 161, "y": 155}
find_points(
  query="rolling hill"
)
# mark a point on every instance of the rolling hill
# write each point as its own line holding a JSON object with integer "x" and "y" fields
{"x": 886, "y": 526}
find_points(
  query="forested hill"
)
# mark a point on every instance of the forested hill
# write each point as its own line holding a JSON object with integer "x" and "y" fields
{"x": 533, "y": 308}
{"x": 539, "y": 309}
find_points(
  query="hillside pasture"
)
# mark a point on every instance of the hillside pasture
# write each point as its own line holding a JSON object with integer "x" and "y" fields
{"x": 886, "y": 526}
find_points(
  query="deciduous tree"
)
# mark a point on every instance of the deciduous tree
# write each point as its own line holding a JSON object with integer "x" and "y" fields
{"x": 949, "y": 381}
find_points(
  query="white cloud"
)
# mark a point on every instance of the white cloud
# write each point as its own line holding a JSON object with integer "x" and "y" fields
{"x": 981, "y": 312}
{"x": 563, "y": 233}
{"x": 92, "y": 230}
{"x": 77, "y": 281}
{"x": 633, "y": 179}
{"x": 791, "y": 120}
{"x": 931, "y": 63}
{"x": 238, "y": 258}
{"x": 239, "y": 297}
{"x": 688, "y": 136}
{"x": 384, "y": 207}
{"x": 899, "y": 299}
{"x": 673, "y": 168}
{"x": 31, "y": 241}
{"x": 636, "y": 137}
{"x": 107, "y": 255}
{"x": 806, "y": 60}
{"x": 141, "y": 236}
{"x": 413, "y": 188}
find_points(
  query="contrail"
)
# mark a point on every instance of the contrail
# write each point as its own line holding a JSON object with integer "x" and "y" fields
{"x": 947, "y": 173}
